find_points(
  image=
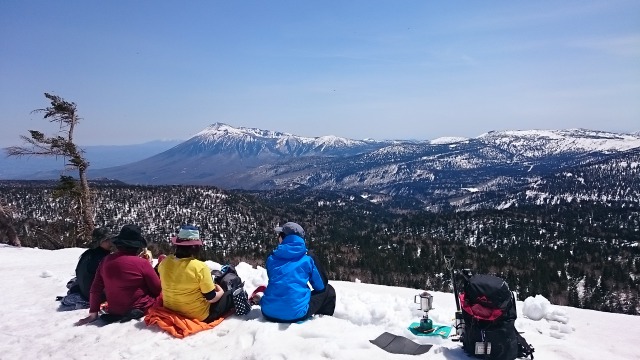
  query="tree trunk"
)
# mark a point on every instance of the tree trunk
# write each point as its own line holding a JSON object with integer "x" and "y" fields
{"x": 6, "y": 224}
{"x": 86, "y": 205}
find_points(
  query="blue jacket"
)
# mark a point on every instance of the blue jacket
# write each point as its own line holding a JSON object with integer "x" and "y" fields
{"x": 290, "y": 269}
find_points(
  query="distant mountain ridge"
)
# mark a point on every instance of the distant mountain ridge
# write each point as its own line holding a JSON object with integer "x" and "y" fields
{"x": 438, "y": 173}
{"x": 99, "y": 156}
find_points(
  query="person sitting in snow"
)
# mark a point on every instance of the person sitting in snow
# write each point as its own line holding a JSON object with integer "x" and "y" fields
{"x": 78, "y": 295}
{"x": 128, "y": 281}
{"x": 188, "y": 287}
{"x": 290, "y": 268}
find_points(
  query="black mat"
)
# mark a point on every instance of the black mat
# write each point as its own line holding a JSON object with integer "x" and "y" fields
{"x": 396, "y": 344}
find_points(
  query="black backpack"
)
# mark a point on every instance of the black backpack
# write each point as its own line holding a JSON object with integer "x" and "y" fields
{"x": 489, "y": 313}
{"x": 227, "y": 278}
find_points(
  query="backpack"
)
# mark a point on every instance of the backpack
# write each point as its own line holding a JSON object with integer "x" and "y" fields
{"x": 227, "y": 278}
{"x": 489, "y": 313}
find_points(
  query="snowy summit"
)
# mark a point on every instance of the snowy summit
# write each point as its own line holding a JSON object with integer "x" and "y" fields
{"x": 32, "y": 328}
{"x": 220, "y": 131}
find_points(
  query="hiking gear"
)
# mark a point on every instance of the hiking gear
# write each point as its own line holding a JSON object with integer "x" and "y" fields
{"x": 289, "y": 269}
{"x": 187, "y": 236}
{"x": 459, "y": 321}
{"x": 489, "y": 313}
{"x": 396, "y": 344}
{"x": 184, "y": 281}
{"x": 73, "y": 301}
{"x": 227, "y": 277}
{"x": 426, "y": 304}
{"x": 290, "y": 228}
{"x": 241, "y": 301}
{"x": 524, "y": 348}
{"x": 130, "y": 236}
{"x": 437, "y": 330}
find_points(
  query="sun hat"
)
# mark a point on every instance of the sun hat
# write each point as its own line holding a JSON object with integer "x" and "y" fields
{"x": 187, "y": 236}
{"x": 290, "y": 228}
{"x": 130, "y": 236}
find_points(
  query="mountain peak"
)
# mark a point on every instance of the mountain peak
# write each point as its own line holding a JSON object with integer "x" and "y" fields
{"x": 245, "y": 142}
{"x": 218, "y": 131}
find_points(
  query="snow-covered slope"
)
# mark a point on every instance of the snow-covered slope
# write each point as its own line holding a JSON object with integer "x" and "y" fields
{"x": 614, "y": 181}
{"x": 33, "y": 329}
{"x": 448, "y": 140}
{"x": 537, "y": 143}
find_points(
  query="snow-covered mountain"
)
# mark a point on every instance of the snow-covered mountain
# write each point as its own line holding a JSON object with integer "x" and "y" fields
{"x": 530, "y": 144}
{"x": 245, "y": 142}
{"x": 32, "y": 328}
{"x": 433, "y": 171}
{"x": 221, "y": 155}
{"x": 614, "y": 181}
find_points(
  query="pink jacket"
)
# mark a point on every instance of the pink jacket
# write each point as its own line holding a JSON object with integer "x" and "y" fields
{"x": 128, "y": 281}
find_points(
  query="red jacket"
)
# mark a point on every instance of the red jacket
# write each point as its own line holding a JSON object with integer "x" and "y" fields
{"x": 129, "y": 282}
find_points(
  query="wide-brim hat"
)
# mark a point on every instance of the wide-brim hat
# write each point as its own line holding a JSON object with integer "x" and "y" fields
{"x": 130, "y": 236}
{"x": 187, "y": 236}
{"x": 290, "y": 228}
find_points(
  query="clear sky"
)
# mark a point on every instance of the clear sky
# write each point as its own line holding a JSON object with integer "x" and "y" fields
{"x": 382, "y": 69}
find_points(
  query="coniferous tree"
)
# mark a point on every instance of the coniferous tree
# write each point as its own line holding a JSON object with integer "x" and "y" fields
{"x": 38, "y": 144}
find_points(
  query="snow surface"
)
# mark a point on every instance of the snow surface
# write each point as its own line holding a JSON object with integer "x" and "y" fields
{"x": 32, "y": 328}
{"x": 448, "y": 140}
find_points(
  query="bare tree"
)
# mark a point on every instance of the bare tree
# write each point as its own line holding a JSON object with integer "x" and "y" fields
{"x": 37, "y": 144}
{"x": 6, "y": 224}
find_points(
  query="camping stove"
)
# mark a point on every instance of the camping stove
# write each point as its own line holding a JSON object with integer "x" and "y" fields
{"x": 426, "y": 304}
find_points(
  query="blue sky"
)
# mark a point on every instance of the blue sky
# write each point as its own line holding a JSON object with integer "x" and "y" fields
{"x": 145, "y": 70}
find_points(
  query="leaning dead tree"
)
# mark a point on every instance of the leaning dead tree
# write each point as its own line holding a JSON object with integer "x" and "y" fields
{"x": 6, "y": 224}
{"x": 37, "y": 144}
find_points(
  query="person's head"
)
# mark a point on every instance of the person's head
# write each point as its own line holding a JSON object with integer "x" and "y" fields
{"x": 130, "y": 240}
{"x": 289, "y": 228}
{"x": 187, "y": 242}
{"x": 102, "y": 238}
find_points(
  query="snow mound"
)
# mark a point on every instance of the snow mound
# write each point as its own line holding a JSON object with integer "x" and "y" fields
{"x": 538, "y": 308}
